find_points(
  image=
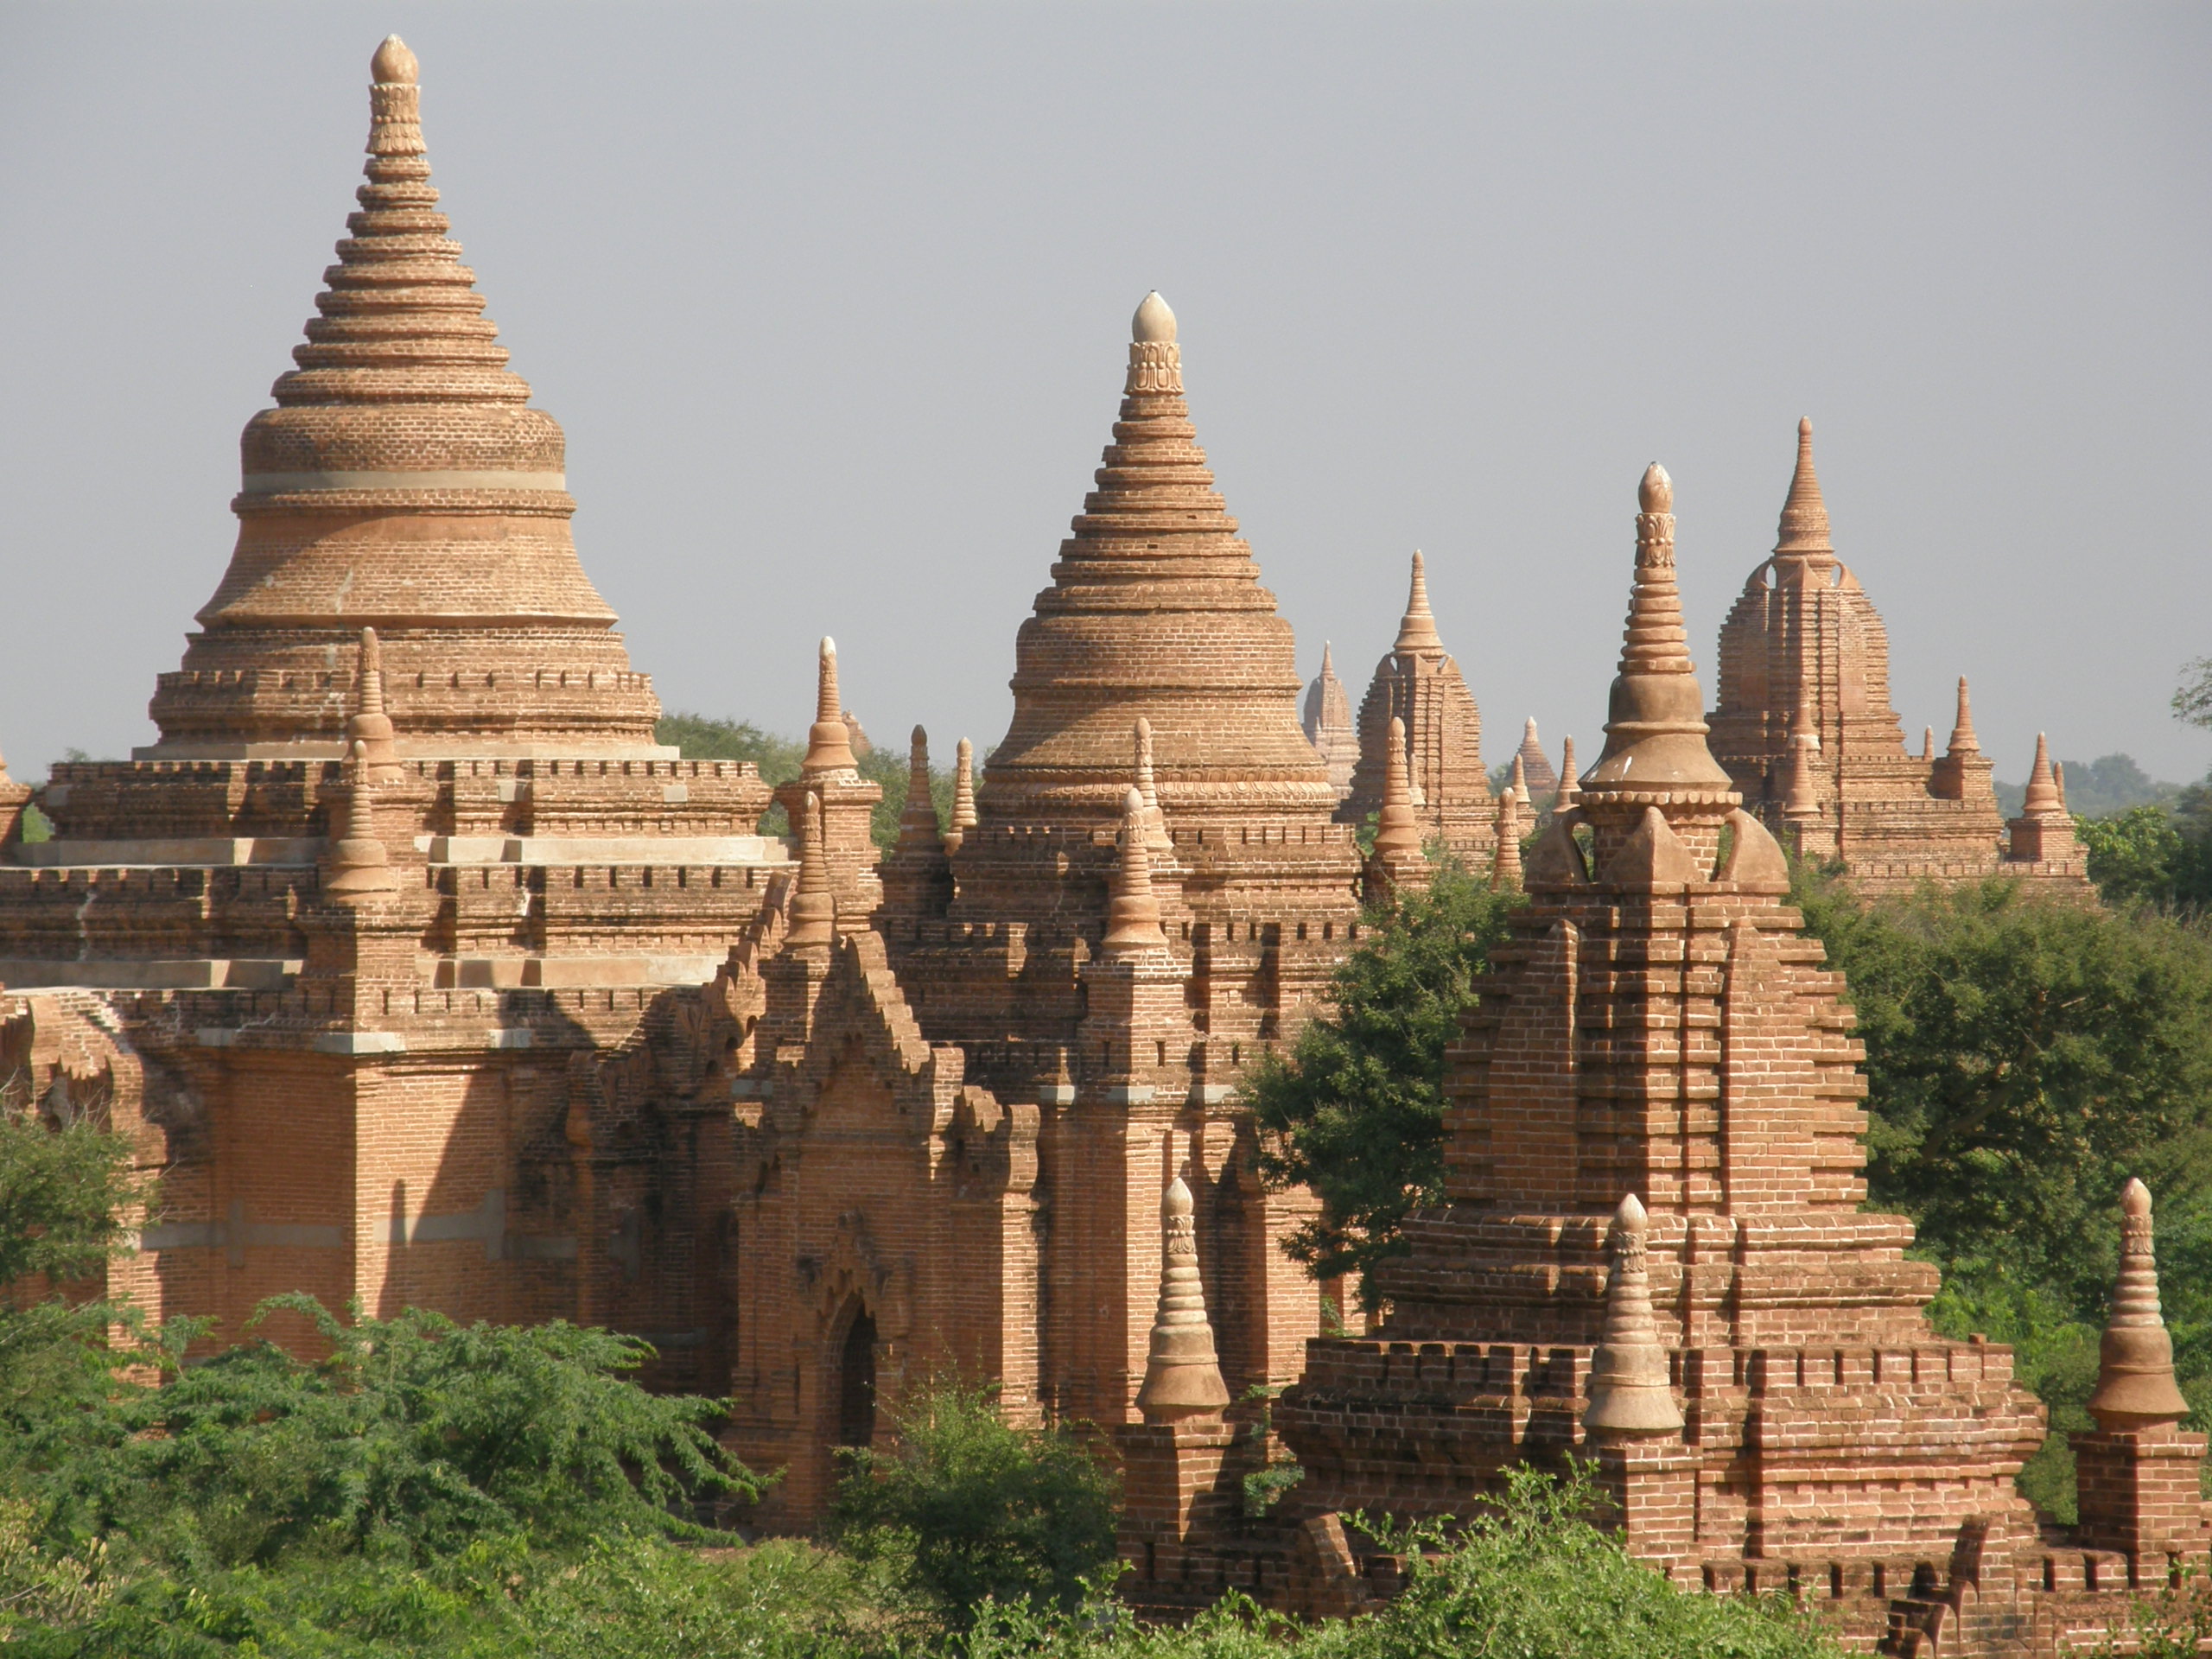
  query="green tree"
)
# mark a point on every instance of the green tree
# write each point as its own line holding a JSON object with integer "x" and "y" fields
{"x": 2025, "y": 1056}
{"x": 2192, "y": 701}
{"x": 414, "y": 1437}
{"x": 970, "y": 1508}
{"x": 1355, "y": 1109}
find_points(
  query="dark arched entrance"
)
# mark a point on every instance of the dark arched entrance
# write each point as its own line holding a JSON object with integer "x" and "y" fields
{"x": 857, "y": 1383}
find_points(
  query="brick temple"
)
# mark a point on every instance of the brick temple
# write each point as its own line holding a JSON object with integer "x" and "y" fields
{"x": 425, "y": 977}
{"x": 1804, "y": 726}
{"x": 1654, "y": 1254}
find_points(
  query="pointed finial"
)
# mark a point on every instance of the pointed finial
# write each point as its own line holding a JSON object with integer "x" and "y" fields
{"x": 1570, "y": 787}
{"x": 964, "y": 797}
{"x": 1928, "y": 743}
{"x": 1803, "y": 801}
{"x": 2043, "y": 789}
{"x": 1182, "y": 1374}
{"x": 1629, "y": 1390}
{"x": 1528, "y": 730}
{"x": 359, "y": 864}
{"x": 369, "y": 725}
{"x": 1804, "y": 528}
{"x": 1505, "y": 863}
{"x": 1654, "y": 731}
{"x": 1132, "y": 909}
{"x": 1155, "y": 821}
{"x": 1154, "y": 323}
{"x": 1518, "y": 782}
{"x": 1417, "y": 630}
{"x": 2135, "y": 1371}
{"x": 394, "y": 65}
{"x": 1396, "y": 828}
{"x": 2058, "y": 782}
{"x": 814, "y": 906}
{"x": 1328, "y": 666}
{"x": 1963, "y": 741}
{"x": 1155, "y": 360}
{"x": 830, "y": 739}
{"x": 918, "y": 829}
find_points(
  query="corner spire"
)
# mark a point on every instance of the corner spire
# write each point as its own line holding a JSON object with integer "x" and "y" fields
{"x": 1417, "y": 629}
{"x": 1505, "y": 864}
{"x": 359, "y": 865}
{"x": 1804, "y": 528}
{"x": 1570, "y": 786}
{"x": 814, "y": 906}
{"x": 1963, "y": 741}
{"x": 1155, "y": 822}
{"x": 2135, "y": 1361}
{"x": 369, "y": 726}
{"x": 1132, "y": 909}
{"x": 830, "y": 739}
{"x": 964, "y": 797}
{"x": 1803, "y": 801}
{"x": 1395, "y": 828}
{"x": 1629, "y": 1391}
{"x": 918, "y": 830}
{"x": 2043, "y": 788}
{"x": 1654, "y": 737}
{"x": 1182, "y": 1374}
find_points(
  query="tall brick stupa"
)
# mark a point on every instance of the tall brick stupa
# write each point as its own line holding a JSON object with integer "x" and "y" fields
{"x": 1804, "y": 699}
{"x": 405, "y": 848}
{"x": 1654, "y": 1252}
{"x": 1418, "y": 684}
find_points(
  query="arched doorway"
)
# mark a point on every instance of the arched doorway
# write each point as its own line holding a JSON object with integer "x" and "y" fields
{"x": 857, "y": 1383}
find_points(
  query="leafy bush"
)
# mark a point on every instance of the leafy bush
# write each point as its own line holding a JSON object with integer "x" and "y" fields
{"x": 970, "y": 1508}
{"x": 1355, "y": 1109}
{"x": 415, "y": 1437}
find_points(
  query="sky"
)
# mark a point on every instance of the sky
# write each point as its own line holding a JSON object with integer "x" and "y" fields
{"x": 832, "y": 302}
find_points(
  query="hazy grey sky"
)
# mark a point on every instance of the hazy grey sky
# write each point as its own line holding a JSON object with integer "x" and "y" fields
{"x": 832, "y": 299}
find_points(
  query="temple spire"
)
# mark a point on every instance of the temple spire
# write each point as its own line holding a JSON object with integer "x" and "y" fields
{"x": 2043, "y": 789}
{"x": 1397, "y": 831}
{"x": 814, "y": 906}
{"x": 1417, "y": 629}
{"x": 1505, "y": 865}
{"x": 1131, "y": 908}
{"x": 830, "y": 739}
{"x": 369, "y": 726}
{"x": 1963, "y": 741}
{"x": 359, "y": 865}
{"x": 918, "y": 830}
{"x": 1629, "y": 1391}
{"x": 964, "y": 797}
{"x": 2135, "y": 1370}
{"x": 1155, "y": 822}
{"x": 1804, "y": 528}
{"x": 1802, "y": 802}
{"x": 1182, "y": 1374}
{"x": 1654, "y": 738}
{"x": 1570, "y": 787}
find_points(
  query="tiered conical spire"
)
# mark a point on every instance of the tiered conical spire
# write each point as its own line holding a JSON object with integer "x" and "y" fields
{"x": 1131, "y": 908}
{"x": 1155, "y": 609}
{"x": 401, "y": 481}
{"x": 1397, "y": 831}
{"x": 1417, "y": 629}
{"x": 964, "y": 797}
{"x": 1655, "y": 739}
{"x": 1155, "y": 822}
{"x": 1536, "y": 766}
{"x": 830, "y": 739}
{"x": 359, "y": 864}
{"x": 1570, "y": 783}
{"x": 371, "y": 726}
{"x": 1182, "y": 1374}
{"x": 1505, "y": 867}
{"x": 2042, "y": 795}
{"x": 1804, "y": 530}
{"x": 2135, "y": 1370}
{"x": 814, "y": 906}
{"x": 1963, "y": 741}
{"x": 918, "y": 830}
{"x": 1629, "y": 1390}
